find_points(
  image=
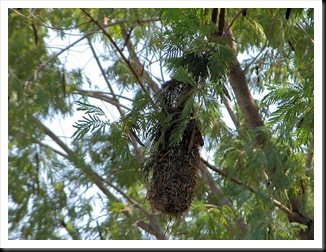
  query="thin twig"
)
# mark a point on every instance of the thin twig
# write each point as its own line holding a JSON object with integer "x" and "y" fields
{"x": 135, "y": 58}
{"x": 103, "y": 93}
{"x": 102, "y": 70}
{"x": 102, "y": 28}
{"x": 131, "y": 200}
{"x": 51, "y": 148}
{"x": 305, "y": 32}
{"x": 101, "y": 97}
{"x": 233, "y": 20}
{"x": 263, "y": 48}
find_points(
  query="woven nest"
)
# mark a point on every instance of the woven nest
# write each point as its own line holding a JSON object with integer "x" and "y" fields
{"x": 175, "y": 167}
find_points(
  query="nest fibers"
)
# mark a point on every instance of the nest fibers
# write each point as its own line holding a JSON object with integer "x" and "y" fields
{"x": 174, "y": 166}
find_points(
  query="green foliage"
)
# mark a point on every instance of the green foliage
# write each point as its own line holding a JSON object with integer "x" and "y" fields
{"x": 205, "y": 61}
{"x": 295, "y": 112}
{"x": 187, "y": 46}
{"x": 91, "y": 122}
{"x": 91, "y": 185}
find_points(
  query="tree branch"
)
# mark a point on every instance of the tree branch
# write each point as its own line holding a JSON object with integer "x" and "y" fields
{"x": 58, "y": 141}
{"x": 101, "y": 96}
{"x": 292, "y": 215}
{"x": 139, "y": 67}
{"x": 115, "y": 100}
{"x": 51, "y": 148}
{"x": 106, "y": 94}
{"x": 233, "y": 20}
{"x": 120, "y": 53}
{"x": 93, "y": 176}
{"x": 221, "y": 198}
{"x": 225, "y": 174}
{"x": 240, "y": 87}
{"x": 132, "y": 201}
{"x": 221, "y": 22}
{"x": 230, "y": 111}
{"x": 149, "y": 228}
{"x": 214, "y": 15}
{"x": 98, "y": 181}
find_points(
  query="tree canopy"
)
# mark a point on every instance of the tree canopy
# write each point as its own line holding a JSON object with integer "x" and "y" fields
{"x": 254, "y": 173}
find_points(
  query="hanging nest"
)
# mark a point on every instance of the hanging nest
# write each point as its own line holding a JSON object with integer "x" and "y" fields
{"x": 174, "y": 166}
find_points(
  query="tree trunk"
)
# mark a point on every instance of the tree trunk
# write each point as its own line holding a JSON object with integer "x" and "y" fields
{"x": 241, "y": 90}
{"x": 253, "y": 120}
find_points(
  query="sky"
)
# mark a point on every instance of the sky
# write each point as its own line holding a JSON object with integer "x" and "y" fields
{"x": 64, "y": 126}
{"x": 81, "y": 57}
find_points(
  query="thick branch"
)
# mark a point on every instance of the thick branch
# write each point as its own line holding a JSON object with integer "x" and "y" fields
{"x": 214, "y": 15}
{"x": 241, "y": 90}
{"x": 221, "y": 22}
{"x": 308, "y": 164}
{"x": 237, "y": 77}
{"x": 292, "y": 215}
{"x": 142, "y": 224}
{"x": 245, "y": 100}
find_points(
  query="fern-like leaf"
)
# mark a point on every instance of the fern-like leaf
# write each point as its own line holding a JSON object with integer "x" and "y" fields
{"x": 92, "y": 123}
{"x": 89, "y": 108}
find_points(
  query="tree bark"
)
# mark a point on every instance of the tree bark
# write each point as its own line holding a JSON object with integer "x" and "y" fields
{"x": 241, "y": 90}
{"x": 254, "y": 120}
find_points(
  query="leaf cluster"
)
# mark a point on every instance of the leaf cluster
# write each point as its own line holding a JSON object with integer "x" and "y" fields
{"x": 188, "y": 46}
{"x": 294, "y": 116}
{"x": 82, "y": 193}
{"x": 92, "y": 123}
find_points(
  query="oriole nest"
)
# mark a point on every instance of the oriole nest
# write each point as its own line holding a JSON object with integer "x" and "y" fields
{"x": 174, "y": 166}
